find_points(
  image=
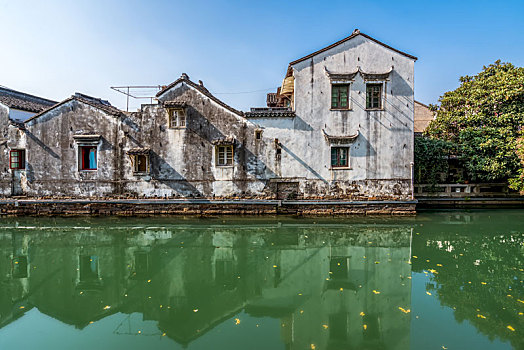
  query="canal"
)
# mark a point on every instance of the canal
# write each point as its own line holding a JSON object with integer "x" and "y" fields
{"x": 440, "y": 280}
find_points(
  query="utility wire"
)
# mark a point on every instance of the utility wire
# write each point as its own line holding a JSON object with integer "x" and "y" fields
{"x": 243, "y": 92}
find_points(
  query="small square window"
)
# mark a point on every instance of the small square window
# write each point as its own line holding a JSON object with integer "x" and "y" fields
{"x": 373, "y": 96}
{"x": 224, "y": 155}
{"x": 339, "y": 96}
{"x": 177, "y": 118}
{"x": 17, "y": 159}
{"x": 88, "y": 157}
{"x": 140, "y": 163}
{"x": 339, "y": 157}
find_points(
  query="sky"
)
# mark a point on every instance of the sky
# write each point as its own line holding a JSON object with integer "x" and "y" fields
{"x": 239, "y": 49}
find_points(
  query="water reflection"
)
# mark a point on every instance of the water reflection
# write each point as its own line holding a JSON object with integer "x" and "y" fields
{"x": 329, "y": 285}
{"x": 318, "y": 281}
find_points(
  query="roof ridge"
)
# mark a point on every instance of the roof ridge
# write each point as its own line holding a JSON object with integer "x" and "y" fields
{"x": 108, "y": 109}
{"x": 185, "y": 78}
{"x": 26, "y": 94}
{"x": 355, "y": 33}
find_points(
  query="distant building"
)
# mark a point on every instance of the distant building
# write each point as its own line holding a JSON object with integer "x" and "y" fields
{"x": 22, "y": 106}
{"x": 423, "y": 116}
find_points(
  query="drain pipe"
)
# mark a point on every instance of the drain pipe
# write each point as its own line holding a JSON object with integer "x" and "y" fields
{"x": 412, "y": 181}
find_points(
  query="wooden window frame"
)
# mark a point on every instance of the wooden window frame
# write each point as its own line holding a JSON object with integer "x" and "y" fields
{"x": 135, "y": 161}
{"x": 227, "y": 161}
{"x": 340, "y": 87}
{"x": 338, "y": 164}
{"x": 81, "y": 152}
{"x": 177, "y": 118}
{"x": 19, "y": 155}
{"x": 371, "y": 97}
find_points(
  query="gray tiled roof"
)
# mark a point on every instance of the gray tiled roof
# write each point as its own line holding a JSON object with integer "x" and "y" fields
{"x": 22, "y": 101}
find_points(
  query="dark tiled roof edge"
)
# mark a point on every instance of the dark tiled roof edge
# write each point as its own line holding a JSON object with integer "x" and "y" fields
{"x": 355, "y": 33}
{"x": 23, "y": 101}
{"x": 202, "y": 90}
{"x": 271, "y": 114}
{"x": 108, "y": 109}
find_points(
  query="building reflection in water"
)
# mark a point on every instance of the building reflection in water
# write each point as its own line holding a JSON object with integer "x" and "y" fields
{"x": 334, "y": 285}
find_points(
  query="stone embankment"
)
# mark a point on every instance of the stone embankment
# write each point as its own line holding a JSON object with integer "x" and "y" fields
{"x": 202, "y": 207}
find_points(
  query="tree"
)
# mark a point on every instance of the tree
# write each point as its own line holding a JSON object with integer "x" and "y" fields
{"x": 484, "y": 117}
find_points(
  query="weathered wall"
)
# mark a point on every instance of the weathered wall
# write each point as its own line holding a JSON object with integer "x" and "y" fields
{"x": 5, "y": 175}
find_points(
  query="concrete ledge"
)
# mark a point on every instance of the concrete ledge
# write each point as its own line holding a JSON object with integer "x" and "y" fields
{"x": 470, "y": 203}
{"x": 151, "y": 207}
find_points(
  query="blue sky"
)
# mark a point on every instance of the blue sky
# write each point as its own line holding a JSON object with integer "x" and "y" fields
{"x": 55, "y": 48}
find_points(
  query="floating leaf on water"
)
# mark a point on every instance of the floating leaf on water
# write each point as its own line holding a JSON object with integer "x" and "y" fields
{"x": 163, "y": 334}
{"x": 415, "y": 257}
{"x": 439, "y": 265}
{"x": 376, "y": 292}
{"x": 362, "y": 313}
{"x": 237, "y": 321}
{"x": 275, "y": 266}
{"x": 483, "y": 283}
{"x": 107, "y": 307}
{"x": 481, "y": 316}
{"x": 365, "y": 326}
{"x": 404, "y": 310}
{"x": 428, "y": 293}
{"x": 377, "y": 262}
{"x": 325, "y": 326}
{"x": 313, "y": 347}
{"x": 341, "y": 289}
{"x": 520, "y": 301}
{"x": 148, "y": 281}
{"x": 511, "y": 328}
{"x": 195, "y": 310}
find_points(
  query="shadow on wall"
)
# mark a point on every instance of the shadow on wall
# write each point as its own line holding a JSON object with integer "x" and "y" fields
{"x": 304, "y": 164}
{"x": 41, "y": 144}
{"x": 250, "y": 163}
{"x": 180, "y": 185}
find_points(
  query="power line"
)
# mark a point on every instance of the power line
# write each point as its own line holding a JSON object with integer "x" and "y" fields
{"x": 244, "y": 92}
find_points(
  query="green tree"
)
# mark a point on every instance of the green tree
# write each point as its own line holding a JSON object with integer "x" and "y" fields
{"x": 483, "y": 117}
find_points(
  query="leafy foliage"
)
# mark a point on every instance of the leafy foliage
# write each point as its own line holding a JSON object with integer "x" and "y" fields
{"x": 484, "y": 117}
{"x": 430, "y": 159}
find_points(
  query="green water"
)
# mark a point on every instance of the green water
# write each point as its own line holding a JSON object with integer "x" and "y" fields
{"x": 440, "y": 280}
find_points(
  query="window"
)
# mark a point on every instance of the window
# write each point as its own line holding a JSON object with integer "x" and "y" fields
{"x": 224, "y": 155}
{"x": 20, "y": 267}
{"x": 258, "y": 134}
{"x": 339, "y": 267}
{"x": 339, "y": 157}
{"x": 338, "y": 326}
{"x": 87, "y": 157}
{"x": 373, "y": 96}
{"x": 88, "y": 268}
{"x": 339, "y": 96}
{"x": 141, "y": 264}
{"x": 17, "y": 159}
{"x": 177, "y": 118}
{"x": 140, "y": 163}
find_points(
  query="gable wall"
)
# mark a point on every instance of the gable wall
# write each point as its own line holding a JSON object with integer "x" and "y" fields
{"x": 52, "y": 154}
{"x": 381, "y": 155}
